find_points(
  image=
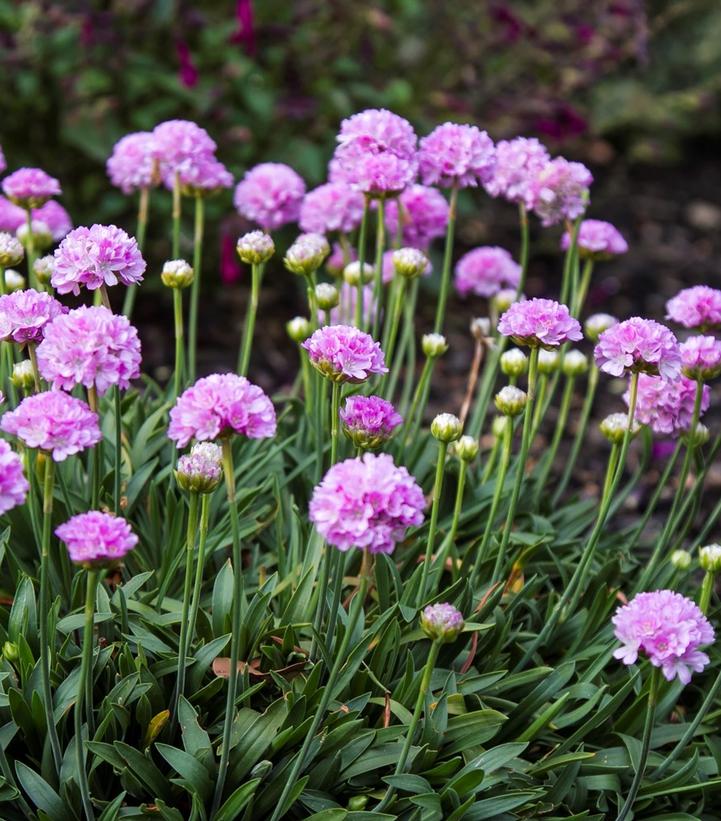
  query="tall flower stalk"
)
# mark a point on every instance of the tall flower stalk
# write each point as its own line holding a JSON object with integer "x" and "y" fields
{"x": 198, "y": 232}
{"x": 140, "y": 232}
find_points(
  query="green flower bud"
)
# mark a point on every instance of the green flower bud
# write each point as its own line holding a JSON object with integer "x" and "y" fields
{"x": 511, "y": 401}
{"x": 709, "y": 558}
{"x": 503, "y": 300}
{"x": 306, "y": 254}
{"x": 255, "y": 247}
{"x": 327, "y": 296}
{"x": 699, "y": 436}
{"x": 10, "y": 651}
{"x": 597, "y": 324}
{"x": 681, "y": 559}
{"x": 43, "y": 268}
{"x": 11, "y": 250}
{"x": 446, "y": 427}
{"x": 352, "y": 273}
{"x": 514, "y": 362}
{"x": 434, "y": 345}
{"x": 298, "y": 329}
{"x": 548, "y": 361}
{"x": 466, "y": 448}
{"x": 500, "y": 425}
{"x": 615, "y": 425}
{"x": 14, "y": 281}
{"x": 177, "y": 273}
{"x": 575, "y": 363}
{"x": 410, "y": 263}
{"x": 23, "y": 377}
{"x": 442, "y": 622}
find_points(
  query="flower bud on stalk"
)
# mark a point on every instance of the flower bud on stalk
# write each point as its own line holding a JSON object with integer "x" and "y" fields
{"x": 326, "y": 296}
{"x": 255, "y": 248}
{"x": 11, "y": 250}
{"x": 481, "y": 328}
{"x": 514, "y": 363}
{"x": 511, "y": 401}
{"x": 23, "y": 376}
{"x": 298, "y": 329}
{"x": 14, "y": 281}
{"x": 681, "y": 559}
{"x": 597, "y": 324}
{"x": 466, "y": 448}
{"x": 409, "y": 263}
{"x": 575, "y": 363}
{"x": 442, "y": 622}
{"x": 42, "y": 235}
{"x": 177, "y": 273}
{"x": 499, "y": 426}
{"x": 201, "y": 471}
{"x": 446, "y": 427}
{"x": 306, "y": 254}
{"x": 548, "y": 362}
{"x": 352, "y": 273}
{"x": 43, "y": 268}
{"x": 699, "y": 436}
{"x": 434, "y": 345}
{"x": 614, "y": 427}
{"x": 709, "y": 558}
{"x": 503, "y": 300}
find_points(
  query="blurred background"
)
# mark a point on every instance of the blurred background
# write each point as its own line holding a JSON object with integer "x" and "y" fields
{"x": 631, "y": 88}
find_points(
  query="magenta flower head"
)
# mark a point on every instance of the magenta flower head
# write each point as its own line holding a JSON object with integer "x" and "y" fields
{"x": 597, "y": 240}
{"x": 54, "y": 422}
{"x": 559, "y": 191}
{"x": 95, "y": 256}
{"x": 424, "y": 215}
{"x": 11, "y": 216}
{"x": 668, "y": 628}
{"x": 270, "y": 194}
{"x": 343, "y": 353}
{"x": 367, "y": 503}
{"x": 518, "y": 161}
{"x": 96, "y": 539}
{"x": 92, "y": 347}
{"x": 642, "y": 345}
{"x": 456, "y": 155}
{"x": 442, "y": 622}
{"x": 539, "y": 323}
{"x": 701, "y": 357}
{"x": 369, "y": 421}
{"x": 486, "y": 271}
{"x": 133, "y": 165}
{"x": 178, "y": 145}
{"x": 203, "y": 176}
{"x": 332, "y": 207}
{"x": 666, "y": 405}
{"x": 201, "y": 470}
{"x": 30, "y": 187}
{"x": 55, "y": 217}
{"x": 13, "y": 484}
{"x": 218, "y": 406}
{"x": 697, "y": 307}
{"x": 24, "y": 315}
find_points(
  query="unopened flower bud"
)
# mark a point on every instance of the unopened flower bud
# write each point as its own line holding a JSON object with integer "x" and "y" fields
{"x": 177, "y": 273}
{"x": 298, "y": 329}
{"x": 23, "y": 376}
{"x": 699, "y": 436}
{"x": 511, "y": 401}
{"x": 446, "y": 427}
{"x": 14, "y": 281}
{"x": 352, "y": 273}
{"x": 306, "y": 254}
{"x": 615, "y": 425}
{"x": 10, "y": 651}
{"x": 503, "y": 300}
{"x": 597, "y": 324}
{"x": 43, "y": 268}
{"x": 681, "y": 559}
{"x": 442, "y": 622}
{"x": 409, "y": 263}
{"x": 326, "y": 295}
{"x": 11, "y": 250}
{"x": 357, "y": 803}
{"x": 481, "y": 328}
{"x": 466, "y": 448}
{"x": 433, "y": 345}
{"x": 42, "y": 235}
{"x": 255, "y": 247}
{"x": 201, "y": 470}
{"x": 514, "y": 362}
{"x": 548, "y": 361}
{"x": 575, "y": 363}
{"x": 499, "y": 426}
{"x": 709, "y": 558}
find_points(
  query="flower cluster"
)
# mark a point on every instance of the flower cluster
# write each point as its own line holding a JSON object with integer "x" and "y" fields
{"x": 559, "y": 191}
{"x": 178, "y": 147}
{"x": 697, "y": 307}
{"x": 638, "y": 345}
{"x": 133, "y": 163}
{"x": 368, "y": 421}
{"x": 540, "y": 323}
{"x": 96, "y": 539}
{"x": 24, "y": 315}
{"x": 442, "y": 622}
{"x": 201, "y": 470}
{"x": 485, "y": 271}
{"x": 270, "y": 195}
{"x": 13, "y": 484}
{"x": 666, "y": 405}
{"x": 30, "y": 187}
{"x": 332, "y": 207}
{"x": 701, "y": 357}
{"x": 518, "y": 161}
{"x": 456, "y": 155}
{"x": 596, "y": 240}
{"x": 344, "y": 353}
{"x": 423, "y": 215}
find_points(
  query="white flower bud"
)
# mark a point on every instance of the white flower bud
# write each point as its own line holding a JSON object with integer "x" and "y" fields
{"x": 681, "y": 559}
{"x": 514, "y": 362}
{"x": 615, "y": 425}
{"x": 446, "y": 427}
{"x": 466, "y": 448}
{"x": 42, "y": 235}
{"x": 327, "y": 296}
{"x": 511, "y": 401}
{"x": 298, "y": 329}
{"x": 23, "y": 376}
{"x": 177, "y": 273}
{"x": 709, "y": 558}
{"x": 255, "y": 247}
{"x": 352, "y": 273}
{"x": 597, "y": 324}
{"x": 44, "y": 267}
{"x": 481, "y": 328}
{"x": 11, "y": 250}
{"x": 503, "y": 300}
{"x": 410, "y": 263}
{"x": 500, "y": 425}
{"x": 434, "y": 345}
{"x": 575, "y": 363}
{"x": 14, "y": 281}
{"x": 306, "y": 254}
{"x": 548, "y": 361}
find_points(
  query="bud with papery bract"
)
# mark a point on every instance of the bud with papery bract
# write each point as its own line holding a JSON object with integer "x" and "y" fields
{"x": 90, "y": 346}
{"x": 96, "y": 539}
{"x": 548, "y": 361}
{"x": 132, "y": 165}
{"x": 343, "y": 353}
{"x": 23, "y": 376}
{"x": 14, "y": 281}
{"x": 499, "y": 426}
{"x": 518, "y": 161}
{"x": 201, "y": 470}
{"x": 596, "y": 324}
{"x": 369, "y": 421}
{"x": 699, "y": 436}
{"x": 306, "y": 254}
{"x": 13, "y": 484}
{"x": 503, "y": 300}
{"x": 270, "y": 194}
{"x": 255, "y": 247}
{"x": 221, "y": 405}
{"x": 666, "y": 405}
{"x": 540, "y": 323}
{"x": 367, "y": 503}
{"x": 615, "y": 425}
{"x": 709, "y": 558}
{"x": 24, "y": 315}
{"x": 326, "y": 295}
{"x": 697, "y": 307}
{"x": 668, "y": 628}
{"x": 43, "y": 268}
{"x": 352, "y": 273}
{"x": 485, "y": 271}
{"x": 11, "y": 250}
{"x": 424, "y": 215}
{"x": 446, "y": 427}
{"x": 559, "y": 191}
{"x": 433, "y": 345}
{"x": 575, "y": 363}
{"x": 178, "y": 145}
{"x": 511, "y": 400}
{"x": 701, "y": 357}
{"x": 54, "y": 422}
{"x": 410, "y": 263}
{"x": 298, "y": 328}
{"x": 442, "y": 622}
{"x": 456, "y": 155}
{"x": 332, "y": 207}
{"x": 514, "y": 362}
{"x": 42, "y": 235}
{"x": 681, "y": 559}
{"x": 480, "y": 328}
{"x": 638, "y": 345}
{"x": 177, "y": 273}
{"x": 596, "y": 240}
{"x": 466, "y": 448}
{"x": 30, "y": 187}
{"x": 95, "y": 256}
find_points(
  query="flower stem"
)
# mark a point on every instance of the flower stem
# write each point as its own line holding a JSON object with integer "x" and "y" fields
{"x": 195, "y": 287}
{"x": 179, "y": 341}
{"x": 569, "y": 262}
{"x": 184, "y": 618}
{"x": 395, "y": 320}
{"x": 706, "y": 591}
{"x": 447, "y": 260}
{"x": 359, "y": 321}
{"x": 97, "y": 454}
{"x": 449, "y": 542}
{"x": 378, "y": 275}
{"x": 550, "y": 455}
{"x": 177, "y": 214}
{"x": 199, "y": 567}
{"x": 118, "y": 449}
{"x": 582, "y": 292}
{"x": 415, "y": 415}
{"x": 334, "y": 422}
{"x": 34, "y": 362}
{"x": 132, "y": 290}
{"x": 30, "y": 250}
{"x": 437, "y": 490}
{"x": 250, "y": 313}
{"x": 523, "y": 253}
{"x": 85, "y": 690}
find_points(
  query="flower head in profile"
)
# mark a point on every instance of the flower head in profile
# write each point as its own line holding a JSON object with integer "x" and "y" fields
{"x": 133, "y": 165}
{"x": 637, "y": 344}
{"x": 333, "y": 207}
{"x": 456, "y": 155}
{"x": 54, "y": 422}
{"x": 221, "y": 405}
{"x": 540, "y": 323}
{"x": 697, "y": 307}
{"x": 666, "y": 405}
{"x": 96, "y": 539}
{"x": 255, "y": 247}
{"x": 597, "y": 240}
{"x": 306, "y": 254}
{"x": 203, "y": 176}
{"x": 55, "y": 217}
{"x": 13, "y": 484}
{"x": 369, "y": 421}
{"x": 178, "y": 145}
{"x": 270, "y": 195}
{"x": 423, "y": 215}
{"x": 367, "y": 503}
{"x": 485, "y": 271}
{"x": 442, "y": 622}
{"x": 201, "y": 470}
{"x": 701, "y": 357}
{"x": 30, "y": 187}
{"x": 518, "y": 161}
{"x": 24, "y": 315}
{"x": 96, "y": 256}
{"x": 559, "y": 191}
{"x": 343, "y": 353}
{"x": 668, "y": 628}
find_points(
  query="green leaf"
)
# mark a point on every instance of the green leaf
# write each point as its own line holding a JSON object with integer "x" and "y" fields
{"x": 41, "y": 793}
{"x": 189, "y": 768}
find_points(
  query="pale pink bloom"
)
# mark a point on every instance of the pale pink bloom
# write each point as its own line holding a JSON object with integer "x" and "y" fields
{"x": 30, "y": 187}
{"x": 343, "y": 353}
{"x": 13, "y": 484}
{"x": 666, "y": 405}
{"x": 518, "y": 161}
{"x": 596, "y": 240}
{"x": 96, "y": 539}
{"x": 25, "y": 314}
{"x": 559, "y": 191}
{"x": 485, "y": 271}
{"x": 456, "y": 155}
{"x": 424, "y": 216}
{"x": 540, "y": 322}
{"x": 270, "y": 195}
{"x": 701, "y": 357}
{"x": 638, "y": 344}
{"x": 332, "y": 207}
{"x": 133, "y": 164}
{"x": 697, "y": 307}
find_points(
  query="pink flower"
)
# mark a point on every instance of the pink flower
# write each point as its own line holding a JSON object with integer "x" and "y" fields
{"x": 92, "y": 347}
{"x": 204, "y": 175}
{"x": 178, "y": 145}
{"x": 55, "y": 217}
{"x": 368, "y": 421}
{"x": 697, "y": 307}
{"x": 201, "y": 470}
{"x": 220, "y": 405}
{"x": 334, "y": 206}
{"x": 559, "y": 191}
{"x": 24, "y": 315}
{"x": 442, "y": 622}
{"x": 424, "y": 215}
{"x": 132, "y": 165}
{"x": 701, "y": 357}
{"x": 13, "y": 484}
{"x": 486, "y": 271}
{"x": 3, "y": 163}
{"x": 666, "y": 406}
{"x": 540, "y": 322}
{"x": 367, "y": 503}
{"x": 597, "y": 240}
{"x": 343, "y": 353}
{"x": 270, "y": 194}
{"x": 668, "y": 628}
{"x": 95, "y": 256}
{"x": 518, "y": 161}
{"x": 30, "y": 187}
{"x": 638, "y": 345}
{"x": 96, "y": 539}
{"x": 54, "y": 422}
{"x": 11, "y": 216}
{"x": 460, "y": 155}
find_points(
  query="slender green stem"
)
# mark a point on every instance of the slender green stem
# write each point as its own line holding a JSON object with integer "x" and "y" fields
{"x": 118, "y": 449}
{"x": 310, "y": 282}
{"x": 449, "y": 542}
{"x": 378, "y": 271}
{"x": 415, "y": 415}
{"x": 34, "y": 362}
{"x": 550, "y": 456}
{"x": 143, "y": 206}
{"x": 491, "y": 460}
{"x": 250, "y": 314}
{"x": 195, "y": 287}
{"x": 179, "y": 341}
{"x": 437, "y": 490}
{"x": 97, "y": 455}
{"x": 177, "y": 215}
{"x": 395, "y": 319}
{"x": 447, "y": 262}
{"x": 359, "y": 320}
{"x": 199, "y": 566}
{"x": 569, "y": 262}
{"x": 582, "y": 292}
{"x": 706, "y": 591}
{"x": 406, "y": 349}
{"x": 85, "y": 689}
{"x": 30, "y": 250}
{"x": 523, "y": 254}
{"x": 334, "y": 422}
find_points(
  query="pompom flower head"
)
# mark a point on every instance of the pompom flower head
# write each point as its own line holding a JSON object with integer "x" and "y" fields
{"x": 201, "y": 470}
{"x": 697, "y": 307}
{"x": 96, "y": 256}
{"x": 369, "y": 421}
{"x": 637, "y": 344}
{"x": 666, "y": 405}
{"x": 442, "y": 622}
{"x": 332, "y": 207}
{"x": 133, "y": 163}
{"x": 596, "y": 240}
{"x": 96, "y": 539}
{"x": 203, "y": 176}
{"x": 485, "y": 271}
{"x": 367, "y": 503}
{"x": 270, "y": 195}
{"x": 423, "y": 215}
{"x": 518, "y": 161}
{"x": 30, "y": 187}
{"x": 701, "y": 357}
{"x": 54, "y": 422}
{"x": 559, "y": 191}
{"x": 178, "y": 145}
{"x": 668, "y": 628}
{"x": 13, "y": 484}
{"x": 24, "y": 315}
{"x": 343, "y": 353}
{"x": 92, "y": 347}
{"x": 540, "y": 323}
{"x": 55, "y": 217}
{"x": 456, "y": 155}
{"x": 220, "y": 405}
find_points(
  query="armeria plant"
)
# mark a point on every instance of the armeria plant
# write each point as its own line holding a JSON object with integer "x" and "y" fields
{"x": 387, "y": 613}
